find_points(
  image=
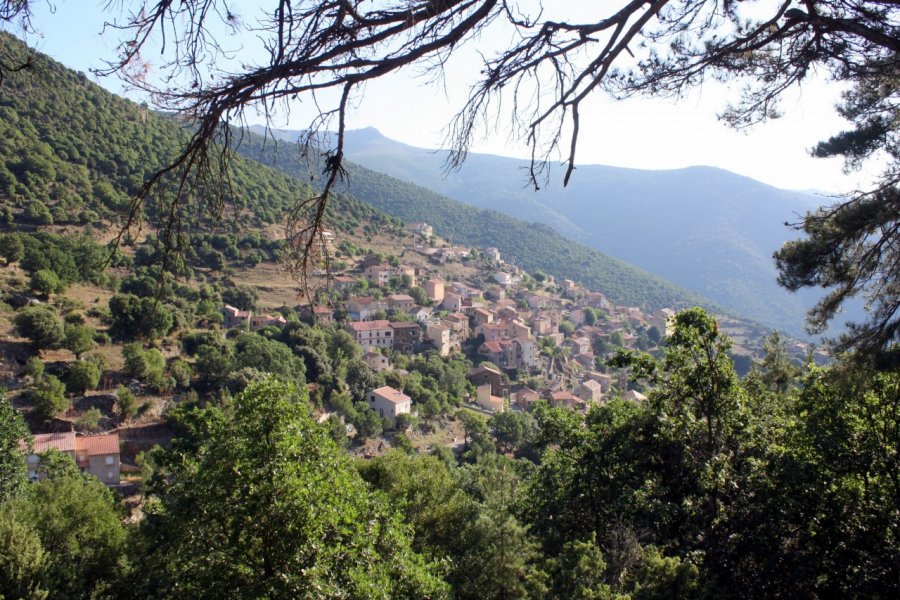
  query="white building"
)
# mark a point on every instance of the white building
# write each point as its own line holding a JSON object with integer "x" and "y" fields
{"x": 389, "y": 403}
{"x": 372, "y": 334}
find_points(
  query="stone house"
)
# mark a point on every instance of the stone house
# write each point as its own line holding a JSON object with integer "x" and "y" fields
{"x": 372, "y": 334}
{"x": 97, "y": 455}
{"x": 407, "y": 336}
{"x": 389, "y": 403}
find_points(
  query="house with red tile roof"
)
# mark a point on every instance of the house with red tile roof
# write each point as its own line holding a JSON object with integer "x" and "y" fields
{"x": 97, "y": 455}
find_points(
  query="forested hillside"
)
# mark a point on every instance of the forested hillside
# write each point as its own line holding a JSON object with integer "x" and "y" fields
{"x": 71, "y": 153}
{"x": 533, "y": 246}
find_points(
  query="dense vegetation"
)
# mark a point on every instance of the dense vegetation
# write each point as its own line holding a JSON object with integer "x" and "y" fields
{"x": 72, "y": 153}
{"x": 780, "y": 484}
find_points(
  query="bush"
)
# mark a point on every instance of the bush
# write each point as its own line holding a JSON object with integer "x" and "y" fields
{"x": 79, "y": 339}
{"x": 40, "y": 325}
{"x": 49, "y": 397}
{"x": 83, "y": 375}
{"x": 181, "y": 372}
{"x": 90, "y": 420}
{"x": 45, "y": 282}
{"x": 126, "y": 403}
{"x": 11, "y": 248}
{"x": 34, "y": 368}
{"x": 38, "y": 212}
{"x": 144, "y": 365}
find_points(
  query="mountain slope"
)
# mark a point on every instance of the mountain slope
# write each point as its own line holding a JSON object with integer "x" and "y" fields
{"x": 72, "y": 154}
{"x": 706, "y": 229}
{"x": 534, "y": 246}
{"x": 70, "y": 149}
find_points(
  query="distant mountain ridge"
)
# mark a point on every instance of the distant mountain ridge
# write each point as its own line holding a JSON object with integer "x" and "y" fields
{"x": 533, "y": 246}
{"x": 704, "y": 228}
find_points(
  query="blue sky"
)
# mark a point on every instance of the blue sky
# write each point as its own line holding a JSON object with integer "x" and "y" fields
{"x": 638, "y": 133}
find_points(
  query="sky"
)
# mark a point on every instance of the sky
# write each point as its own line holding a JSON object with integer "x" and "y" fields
{"x": 636, "y": 133}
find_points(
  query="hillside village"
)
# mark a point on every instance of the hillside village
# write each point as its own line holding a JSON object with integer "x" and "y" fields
{"x": 530, "y": 337}
{"x": 519, "y": 338}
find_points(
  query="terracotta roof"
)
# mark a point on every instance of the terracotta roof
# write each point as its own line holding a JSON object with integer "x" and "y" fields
{"x": 64, "y": 442}
{"x": 492, "y": 346}
{"x": 400, "y": 298}
{"x": 404, "y": 325}
{"x": 370, "y": 325}
{"x": 590, "y": 383}
{"x": 96, "y": 445}
{"x": 391, "y": 395}
{"x": 321, "y": 310}
{"x": 92, "y": 445}
{"x": 562, "y": 396}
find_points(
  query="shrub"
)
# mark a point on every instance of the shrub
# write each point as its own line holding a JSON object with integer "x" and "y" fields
{"x": 83, "y": 375}
{"x": 34, "y": 368}
{"x": 126, "y": 403}
{"x": 49, "y": 397}
{"x": 90, "y": 420}
{"x": 40, "y": 325}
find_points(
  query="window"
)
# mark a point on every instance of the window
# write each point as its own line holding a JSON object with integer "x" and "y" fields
{"x": 110, "y": 475}
{"x": 32, "y": 459}
{"x": 110, "y": 460}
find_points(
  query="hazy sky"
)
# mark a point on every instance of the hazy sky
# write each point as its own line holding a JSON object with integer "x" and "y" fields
{"x": 638, "y": 133}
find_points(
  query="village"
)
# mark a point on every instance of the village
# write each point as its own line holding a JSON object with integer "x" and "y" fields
{"x": 530, "y": 339}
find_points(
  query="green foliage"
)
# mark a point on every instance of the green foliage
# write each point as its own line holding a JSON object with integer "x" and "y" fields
{"x": 83, "y": 375}
{"x": 143, "y": 364}
{"x": 40, "y": 325}
{"x": 45, "y": 282}
{"x": 22, "y": 559}
{"x": 34, "y": 367}
{"x": 267, "y": 356}
{"x": 11, "y": 247}
{"x": 511, "y": 430}
{"x": 182, "y": 372}
{"x": 249, "y": 499}
{"x": 12, "y": 461}
{"x": 79, "y": 339}
{"x": 74, "y": 537}
{"x": 49, "y": 397}
{"x": 71, "y": 258}
{"x": 90, "y": 420}
{"x": 71, "y": 149}
{"x": 144, "y": 318}
{"x": 240, "y": 296}
{"x": 126, "y": 403}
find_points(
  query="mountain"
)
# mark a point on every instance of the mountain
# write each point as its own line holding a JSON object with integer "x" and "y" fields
{"x": 706, "y": 229}
{"x": 73, "y": 154}
{"x": 533, "y": 246}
